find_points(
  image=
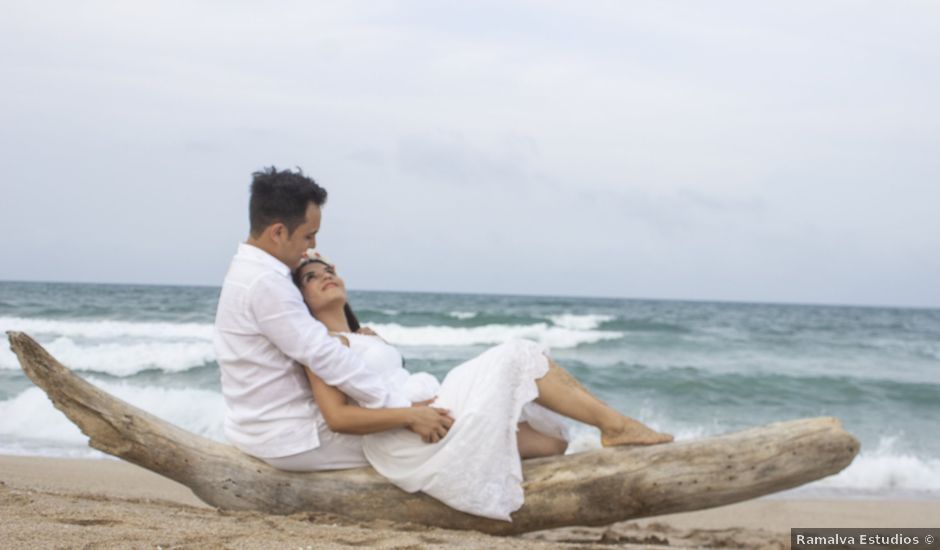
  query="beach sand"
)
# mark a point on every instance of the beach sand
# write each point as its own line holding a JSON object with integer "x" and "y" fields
{"x": 83, "y": 503}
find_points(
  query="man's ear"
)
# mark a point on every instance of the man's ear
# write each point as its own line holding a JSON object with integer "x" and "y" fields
{"x": 277, "y": 232}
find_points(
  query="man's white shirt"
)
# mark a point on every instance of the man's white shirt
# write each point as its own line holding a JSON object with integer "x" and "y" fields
{"x": 264, "y": 336}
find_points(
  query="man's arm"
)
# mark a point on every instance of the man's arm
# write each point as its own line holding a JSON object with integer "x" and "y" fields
{"x": 285, "y": 320}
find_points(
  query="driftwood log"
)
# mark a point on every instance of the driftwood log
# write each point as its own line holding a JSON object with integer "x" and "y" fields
{"x": 590, "y": 488}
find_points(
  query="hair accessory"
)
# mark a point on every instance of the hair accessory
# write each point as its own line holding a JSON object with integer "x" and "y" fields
{"x": 311, "y": 255}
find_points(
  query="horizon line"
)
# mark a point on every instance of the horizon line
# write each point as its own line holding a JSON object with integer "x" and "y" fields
{"x": 520, "y": 295}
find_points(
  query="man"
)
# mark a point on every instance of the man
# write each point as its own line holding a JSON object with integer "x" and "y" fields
{"x": 265, "y": 336}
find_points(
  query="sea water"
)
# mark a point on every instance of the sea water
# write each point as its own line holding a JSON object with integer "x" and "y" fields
{"x": 693, "y": 369}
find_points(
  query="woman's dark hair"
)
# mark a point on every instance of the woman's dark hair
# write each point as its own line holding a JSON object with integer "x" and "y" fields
{"x": 281, "y": 197}
{"x": 351, "y": 318}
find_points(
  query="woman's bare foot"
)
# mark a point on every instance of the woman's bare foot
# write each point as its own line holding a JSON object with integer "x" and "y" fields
{"x": 631, "y": 432}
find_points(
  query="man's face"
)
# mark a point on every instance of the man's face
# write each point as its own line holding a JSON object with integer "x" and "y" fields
{"x": 303, "y": 237}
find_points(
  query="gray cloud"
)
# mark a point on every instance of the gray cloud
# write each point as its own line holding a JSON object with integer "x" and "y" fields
{"x": 735, "y": 150}
{"x": 449, "y": 157}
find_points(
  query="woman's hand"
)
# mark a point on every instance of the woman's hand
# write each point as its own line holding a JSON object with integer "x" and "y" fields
{"x": 431, "y": 423}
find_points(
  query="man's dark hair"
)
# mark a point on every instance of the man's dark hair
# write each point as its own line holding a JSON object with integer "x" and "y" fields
{"x": 281, "y": 197}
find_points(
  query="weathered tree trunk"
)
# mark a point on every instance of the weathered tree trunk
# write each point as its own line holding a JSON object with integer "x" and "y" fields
{"x": 590, "y": 488}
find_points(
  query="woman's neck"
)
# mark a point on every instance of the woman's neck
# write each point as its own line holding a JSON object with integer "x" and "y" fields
{"x": 334, "y": 318}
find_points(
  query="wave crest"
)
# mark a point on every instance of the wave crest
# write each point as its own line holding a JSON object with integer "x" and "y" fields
{"x": 550, "y": 336}
{"x": 29, "y": 424}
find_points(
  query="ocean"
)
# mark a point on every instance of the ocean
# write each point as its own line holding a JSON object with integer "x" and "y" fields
{"x": 693, "y": 369}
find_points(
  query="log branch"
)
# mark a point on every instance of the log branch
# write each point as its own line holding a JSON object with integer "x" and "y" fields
{"x": 591, "y": 488}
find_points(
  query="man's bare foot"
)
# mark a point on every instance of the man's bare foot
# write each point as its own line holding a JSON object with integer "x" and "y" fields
{"x": 631, "y": 432}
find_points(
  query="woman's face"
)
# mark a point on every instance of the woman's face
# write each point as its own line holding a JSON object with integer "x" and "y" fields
{"x": 321, "y": 286}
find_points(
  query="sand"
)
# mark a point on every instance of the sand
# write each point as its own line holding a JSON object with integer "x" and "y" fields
{"x": 82, "y": 503}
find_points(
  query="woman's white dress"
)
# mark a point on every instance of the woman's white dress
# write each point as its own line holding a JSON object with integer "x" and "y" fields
{"x": 476, "y": 467}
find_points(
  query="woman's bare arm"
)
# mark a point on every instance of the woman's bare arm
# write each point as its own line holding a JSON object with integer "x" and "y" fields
{"x": 345, "y": 418}
{"x": 431, "y": 423}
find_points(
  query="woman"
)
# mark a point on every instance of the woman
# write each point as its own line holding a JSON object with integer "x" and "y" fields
{"x": 505, "y": 405}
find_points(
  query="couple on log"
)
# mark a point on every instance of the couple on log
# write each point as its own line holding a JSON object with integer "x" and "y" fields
{"x": 307, "y": 388}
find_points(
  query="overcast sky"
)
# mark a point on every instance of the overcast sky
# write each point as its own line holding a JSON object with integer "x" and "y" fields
{"x": 758, "y": 151}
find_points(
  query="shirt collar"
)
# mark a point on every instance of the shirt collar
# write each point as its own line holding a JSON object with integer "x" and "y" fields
{"x": 253, "y": 253}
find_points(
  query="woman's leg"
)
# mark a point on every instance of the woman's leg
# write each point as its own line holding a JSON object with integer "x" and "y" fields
{"x": 562, "y": 393}
{"x": 533, "y": 443}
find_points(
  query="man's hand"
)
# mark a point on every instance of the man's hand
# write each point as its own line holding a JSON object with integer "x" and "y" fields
{"x": 431, "y": 423}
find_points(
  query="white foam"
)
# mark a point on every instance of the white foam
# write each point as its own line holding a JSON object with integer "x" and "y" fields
{"x": 107, "y": 329}
{"x": 580, "y": 322}
{"x": 30, "y": 415}
{"x": 886, "y": 469}
{"x": 463, "y": 314}
{"x": 123, "y": 359}
{"x": 29, "y": 422}
{"x": 119, "y": 348}
{"x": 583, "y": 438}
{"x": 550, "y": 336}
